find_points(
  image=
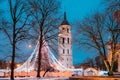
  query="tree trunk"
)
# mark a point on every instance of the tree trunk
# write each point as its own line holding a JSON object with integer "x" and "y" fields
{"x": 46, "y": 72}
{"x": 110, "y": 73}
{"x": 108, "y": 67}
{"x": 12, "y": 64}
{"x": 13, "y": 55}
{"x": 39, "y": 56}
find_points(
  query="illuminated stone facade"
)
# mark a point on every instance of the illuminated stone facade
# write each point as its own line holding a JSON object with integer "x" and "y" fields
{"x": 65, "y": 43}
{"x": 117, "y": 55}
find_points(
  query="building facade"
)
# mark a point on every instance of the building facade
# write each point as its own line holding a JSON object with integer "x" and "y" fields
{"x": 65, "y": 44}
{"x": 117, "y": 56}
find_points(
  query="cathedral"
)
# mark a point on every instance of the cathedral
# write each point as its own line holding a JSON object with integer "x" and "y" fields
{"x": 65, "y": 43}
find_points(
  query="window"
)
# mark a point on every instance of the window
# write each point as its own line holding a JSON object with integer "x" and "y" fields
{"x": 63, "y": 51}
{"x": 63, "y": 41}
{"x": 68, "y": 40}
{"x": 68, "y": 51}
{"x": 68, "y": 30}
{"x": 67, "y": 59}
{"x": 63, "y": 30}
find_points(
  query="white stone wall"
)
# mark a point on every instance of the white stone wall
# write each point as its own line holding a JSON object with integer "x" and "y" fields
{"x": 65, "y": 49}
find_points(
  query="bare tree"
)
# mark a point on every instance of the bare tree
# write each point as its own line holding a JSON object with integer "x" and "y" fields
{"x": 44, "y": 23}
{"x": 90, "y": 62}
{"x": 15, "y": 28}
{"x": 112, "y": 4}
{"x": 97, "y": 32}
{"x": 99, "y": 64}
{"x": 113, "y": 8}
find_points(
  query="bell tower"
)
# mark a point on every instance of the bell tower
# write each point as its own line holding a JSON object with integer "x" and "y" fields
{"x": 65, "y": 43}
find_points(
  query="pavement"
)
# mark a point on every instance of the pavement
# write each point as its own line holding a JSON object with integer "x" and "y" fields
{"x": 27, "y": 78}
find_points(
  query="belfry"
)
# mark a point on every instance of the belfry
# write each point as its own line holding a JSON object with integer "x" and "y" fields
{"x": 65, "y": 43}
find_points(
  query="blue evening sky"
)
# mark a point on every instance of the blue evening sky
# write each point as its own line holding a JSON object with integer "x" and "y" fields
{"x": 76, "y": 10}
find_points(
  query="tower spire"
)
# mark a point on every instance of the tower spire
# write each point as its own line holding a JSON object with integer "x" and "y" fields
{"x": 64, "y": 43}
{"x": 65, "y": 22}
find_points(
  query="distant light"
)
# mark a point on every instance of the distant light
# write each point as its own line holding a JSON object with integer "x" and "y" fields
{"x": 18, "y": 65}
{"x": 29, "y": 46}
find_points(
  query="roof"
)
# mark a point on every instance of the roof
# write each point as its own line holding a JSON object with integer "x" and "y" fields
{"x": 65, "y": 22}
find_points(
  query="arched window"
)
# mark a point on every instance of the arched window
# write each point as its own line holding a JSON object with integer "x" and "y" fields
{"x": 63, "y": 41}
{"x": 67, "y": 30}
{"x": 63, "y": 51}
{"x": 68, "y": 40}
{"x": 68, "y": 51}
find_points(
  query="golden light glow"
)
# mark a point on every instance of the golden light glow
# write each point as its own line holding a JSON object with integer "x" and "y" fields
{"x": 34, "y": 73}
{"x": 18, "y": 65}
